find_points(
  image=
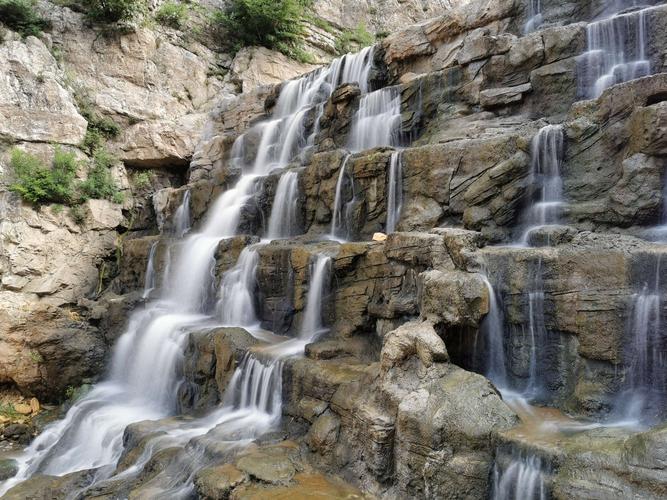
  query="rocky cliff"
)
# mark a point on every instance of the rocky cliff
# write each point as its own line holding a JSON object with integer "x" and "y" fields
{"x": 479, "y": 218}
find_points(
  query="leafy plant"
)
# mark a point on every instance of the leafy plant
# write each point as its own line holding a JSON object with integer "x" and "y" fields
{"x": 113, "y": 11}
{"x": 142, "y": 180}
{"x": 172, "y": 14}
{"x": 275, "y": 24}
{"x": 37, "y": 183}
{"x": 20, "y": 15}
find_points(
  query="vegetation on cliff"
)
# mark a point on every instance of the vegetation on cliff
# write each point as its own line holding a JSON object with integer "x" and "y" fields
{"x": 273, "y": 24}
{"x": 20, "y": 15}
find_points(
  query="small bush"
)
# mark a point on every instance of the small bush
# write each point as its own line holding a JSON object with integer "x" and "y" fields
{"x": 142, "y": 180}
{"x": 113, "y": 11}
{"x": 172, "y": 14}
{"x": 20, "y": 16}
{"x": 100, "y": 183}
{"x": 275, "y": 24}
{"x": 37, "y": 183}
{"x": 100, "y": 129}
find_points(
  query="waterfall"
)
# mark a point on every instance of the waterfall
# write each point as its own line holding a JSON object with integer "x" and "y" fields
{"x": 312, "y": 324}
{"x": 535, "y": 20}
{"x": 493, "y": 330}
{"x": 283, "y": 219}
{"x": 644, "y": 398}
{"x": 182, "y": 222}
{"x": 150, "y": 281}
{"x": 236, "y": 306}
{"x": 616, "y": 52}
{"x": 659, "y": 233}
{"x": 518, "y": 474}
{"x": 537, "y": 334}
{"x": 340, "y": 219}
{"x": 145, "y": 373}
{"x": 547, "y": 151}
{"x": 377, "y": 121}
{"x": 394, "y": 191}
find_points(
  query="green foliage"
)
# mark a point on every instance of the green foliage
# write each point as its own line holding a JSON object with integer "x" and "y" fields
{"x": 172, "y": 14}
{"x": 37, "y": 183}
{"x": 20, "y": 15}
{"x": 100, "y": 183}
{"x": 350, "y": 40}
{"x": 275, "y": 24}
{"x": 100, "y": 128}
{"x": 77, "y": 214}
{"x": 113, "y": 11}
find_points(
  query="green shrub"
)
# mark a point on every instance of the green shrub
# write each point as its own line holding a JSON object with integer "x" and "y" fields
{"x": 172, "y": 14}
{"x": 20, "y": 16}
{"x": 275, "y": 24}
{"x": 100, "y": 183}
{"x": 113, "y": 11}
{"x": 142, "y": 180}
{"x": 350, "y": 40}
{"x": 37, "y": 183}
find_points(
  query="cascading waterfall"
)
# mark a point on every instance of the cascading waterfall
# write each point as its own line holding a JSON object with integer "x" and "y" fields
{"x": 339, "y": 220}
{"x": 547, "y": 150}
{"x": 535, "y": 20}
{"x": 377, "y": 121}
{"x": 150, "y": 281}
{"x": 394, "y": 191}
{"x": 645, "y": 395}
{"x": 145, "y": 373}
{"x": 283, "y": 219}
{"x": 616, "y": 52}
{"x": 182, "y": 219}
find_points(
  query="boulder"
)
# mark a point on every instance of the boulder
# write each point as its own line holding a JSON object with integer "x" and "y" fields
{"x": 453, "y": 298}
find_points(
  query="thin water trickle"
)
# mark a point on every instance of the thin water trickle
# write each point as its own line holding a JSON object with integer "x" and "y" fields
{"x": 493, "y": 329}
{"x": 150, "y": 280}
{"x": 394, "y": 191}
{"x": 340, "y": 218}
{"x": 182, "y": 218}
